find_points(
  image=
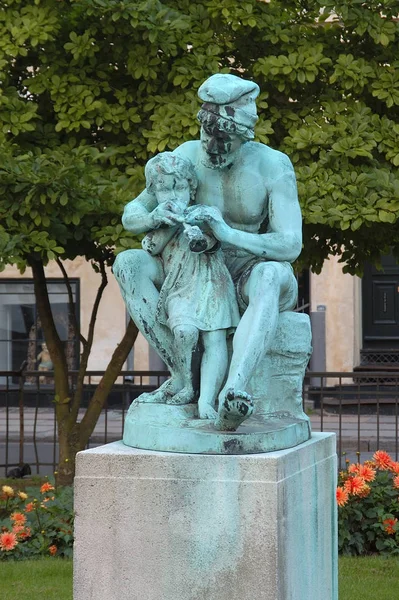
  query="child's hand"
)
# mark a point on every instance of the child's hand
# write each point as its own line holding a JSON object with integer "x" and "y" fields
{"x": 167, "y": 213}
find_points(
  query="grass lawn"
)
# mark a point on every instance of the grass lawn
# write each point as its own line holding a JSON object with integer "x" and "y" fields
{"x": 371, "y": 578}
{"x": 44, "y": 579}
{"x": 368, "y": 578}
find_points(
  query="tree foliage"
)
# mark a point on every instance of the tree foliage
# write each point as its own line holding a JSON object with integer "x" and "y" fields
{"x": 92, "y": 88}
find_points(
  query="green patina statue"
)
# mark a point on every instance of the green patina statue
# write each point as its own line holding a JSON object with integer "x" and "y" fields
{"x": 223, "y": 226}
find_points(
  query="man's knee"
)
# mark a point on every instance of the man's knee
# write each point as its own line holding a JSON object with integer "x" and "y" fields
{"x": 265, "y": 279}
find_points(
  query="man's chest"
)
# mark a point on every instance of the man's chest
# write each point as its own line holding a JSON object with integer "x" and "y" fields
{"x": 240, "y": 194}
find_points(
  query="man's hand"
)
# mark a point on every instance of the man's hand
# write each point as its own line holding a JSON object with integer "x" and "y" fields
{"x": 207, "y": 215}
{"x": 167, "y": 213}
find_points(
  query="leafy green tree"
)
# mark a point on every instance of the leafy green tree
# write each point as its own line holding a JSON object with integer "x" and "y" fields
{"x": 92, "y": 88}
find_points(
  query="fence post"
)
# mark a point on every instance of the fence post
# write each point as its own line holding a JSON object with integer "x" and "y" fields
{"x": 21, "y": 411}
{"x": 318, "y": 359}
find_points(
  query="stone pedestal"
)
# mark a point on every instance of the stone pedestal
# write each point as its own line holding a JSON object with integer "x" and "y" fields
{"x": 165, "y": 526}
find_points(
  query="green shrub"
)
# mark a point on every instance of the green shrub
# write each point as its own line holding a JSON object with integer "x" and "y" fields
{"x": 368, "y": 507}
{"x": 36, "y": 522}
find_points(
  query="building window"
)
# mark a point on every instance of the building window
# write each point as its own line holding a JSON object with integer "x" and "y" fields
{"x": 21, "y": 334}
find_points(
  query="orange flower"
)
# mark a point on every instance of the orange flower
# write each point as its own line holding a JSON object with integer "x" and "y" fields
{"x": 342, "y": 496}
{"x": 354, "y": 468}
{"x": 364, "y": 492}
{"x": 8, "y": 541}
{"x": 366, "y": 472}
{"x": 18, "y": 518}
{"x": 395, "y": 467}
{"x": 354, "y": 485}
{"x": 29, "y": 507}
{"x": 396, "y": 481}
{"x": 382, "y": 460}
{"x": 46, "y": 487}
{"x": 25, "y": 534}
{"x": 53, "y": 550}
{"x": 390, "y": 526}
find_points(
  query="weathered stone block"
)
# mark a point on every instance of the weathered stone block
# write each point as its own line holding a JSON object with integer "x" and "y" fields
{"x": 164, "y": 526}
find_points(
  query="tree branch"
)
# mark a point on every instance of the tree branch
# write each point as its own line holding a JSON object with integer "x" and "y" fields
{"x": 100, "y": 395}
{"x": 84, "y": 358}
{"x": 71, "y": 304}
{"x": 103, "y": 285}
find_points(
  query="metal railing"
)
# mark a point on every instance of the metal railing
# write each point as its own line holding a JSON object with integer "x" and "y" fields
{"x": 28, "y": 427}
{"x": 362, "y": 408}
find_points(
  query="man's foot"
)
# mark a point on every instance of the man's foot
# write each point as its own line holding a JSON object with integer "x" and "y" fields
{"x": 159, "y": 396}
{"x": 206, "y": 411}
{"x": 233, "y": 410}
{"x": 185, "y": 396}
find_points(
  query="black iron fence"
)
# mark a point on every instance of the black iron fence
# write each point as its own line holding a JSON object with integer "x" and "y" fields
{"x": 362, "y": 408}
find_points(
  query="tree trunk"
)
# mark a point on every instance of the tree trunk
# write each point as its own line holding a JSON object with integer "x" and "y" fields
{"x": 104, "y": 387}
{"x": 62, "y": 393}
{"x": 73, "y": 436}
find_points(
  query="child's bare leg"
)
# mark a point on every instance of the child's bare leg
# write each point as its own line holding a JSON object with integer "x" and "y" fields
{"x": 213, "y": 371}
{"x": 186, "y": 339}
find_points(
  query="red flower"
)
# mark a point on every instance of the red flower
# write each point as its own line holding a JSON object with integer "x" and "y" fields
{"x": 342, "y": 496}
{"x": 8, "y": 541}
{"x": 53, "y": 550}
{"x": 382, "y": 460}
{"x": 396, "y": 481}
{"x": 46, "y": 487}
{"x": 29, "y": 507}
{"x": 390, "y": 526}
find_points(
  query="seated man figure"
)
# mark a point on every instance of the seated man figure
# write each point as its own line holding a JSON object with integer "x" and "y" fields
{"x": 247, "y": 197}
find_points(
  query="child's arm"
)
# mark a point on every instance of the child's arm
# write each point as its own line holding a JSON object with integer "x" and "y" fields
{"x": 155, "y": 241}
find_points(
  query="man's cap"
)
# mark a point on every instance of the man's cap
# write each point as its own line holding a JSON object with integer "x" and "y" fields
{"x": 230, "y": 97}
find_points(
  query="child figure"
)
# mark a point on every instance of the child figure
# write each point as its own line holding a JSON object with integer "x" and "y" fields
{"x": 45, "y": 363}
{"x": 197, "y": 298}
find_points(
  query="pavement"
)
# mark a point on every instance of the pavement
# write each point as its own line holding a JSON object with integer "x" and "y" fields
{"x": 355, "y": 433}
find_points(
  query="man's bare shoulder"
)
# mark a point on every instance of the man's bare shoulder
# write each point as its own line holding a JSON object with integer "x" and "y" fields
{"x": 189, "y": 150}
{"x": 273, "y": 163}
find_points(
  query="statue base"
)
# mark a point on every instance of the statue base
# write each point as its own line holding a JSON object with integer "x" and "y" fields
{"x": 168, "y": 428}
{"x": 163, "y": 526}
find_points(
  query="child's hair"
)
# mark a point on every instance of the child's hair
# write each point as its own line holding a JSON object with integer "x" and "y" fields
{"x": 167, "y": 163}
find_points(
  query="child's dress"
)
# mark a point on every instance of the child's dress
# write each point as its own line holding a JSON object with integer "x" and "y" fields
{"x": 198, "y": 289}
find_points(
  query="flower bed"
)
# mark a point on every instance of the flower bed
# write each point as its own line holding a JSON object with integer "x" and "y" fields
{"x": 368, "y": 506}
{"x": 35, "y": 522}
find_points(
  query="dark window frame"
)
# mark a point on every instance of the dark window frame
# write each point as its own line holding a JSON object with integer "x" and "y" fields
{"x": 75, "y": 281}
